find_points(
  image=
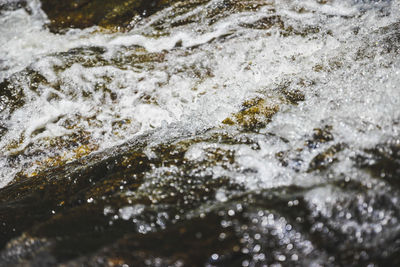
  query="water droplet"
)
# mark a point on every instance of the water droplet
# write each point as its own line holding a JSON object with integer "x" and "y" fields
{"x": 214, "y": 256}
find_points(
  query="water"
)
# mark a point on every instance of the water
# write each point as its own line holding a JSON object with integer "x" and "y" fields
{"x": 251, "y": 132}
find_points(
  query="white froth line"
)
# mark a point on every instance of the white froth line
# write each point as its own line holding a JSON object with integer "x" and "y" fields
{"x": 335, "y": 9}
{"x": 167, "y": 43}
{"x": 38, "y": 124}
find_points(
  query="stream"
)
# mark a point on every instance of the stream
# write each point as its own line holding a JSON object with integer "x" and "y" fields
{"x": 200, "y": 133}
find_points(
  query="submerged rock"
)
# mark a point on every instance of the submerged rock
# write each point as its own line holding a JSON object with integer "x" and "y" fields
{"x": 160, "y": 203}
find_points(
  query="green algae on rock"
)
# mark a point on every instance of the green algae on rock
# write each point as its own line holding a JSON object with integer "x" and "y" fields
{"x": 255, "y": 114}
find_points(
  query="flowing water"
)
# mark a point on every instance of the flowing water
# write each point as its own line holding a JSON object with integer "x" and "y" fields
{"x": 210, "y": 133}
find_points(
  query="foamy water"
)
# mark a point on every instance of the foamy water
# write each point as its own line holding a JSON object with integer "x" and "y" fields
{"x": 176, "y": 77}
{"x": 106, "y": 99}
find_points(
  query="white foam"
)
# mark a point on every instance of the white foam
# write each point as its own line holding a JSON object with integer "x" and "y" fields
{"x": 129, "y": 212}
{"x": 195, "y": 89}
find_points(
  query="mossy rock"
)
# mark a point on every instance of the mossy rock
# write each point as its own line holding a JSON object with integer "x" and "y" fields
{"x": 255, "y": 114}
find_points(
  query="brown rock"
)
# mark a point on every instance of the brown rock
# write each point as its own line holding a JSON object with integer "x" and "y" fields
{"x": 86, "y": 13}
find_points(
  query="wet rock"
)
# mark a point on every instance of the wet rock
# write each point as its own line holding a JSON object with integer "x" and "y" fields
{"x": 93, "y": 56}
{"x": 384, "y": 41}
{"x": 138, "y": 204}
{"x": 86, "y": 13}
{"x": 391, "y": 39}
{"x": 184, "y": 13}
{"x": 11, "y": 96}
{"x": 31, "y": 85}
{"x": 383, "y": 161}
{"x": 265, "y": 23}
{"x": 326, "y": 158}
{"x": 320, "y": 139}
{"x": 151, "y": 202}
{"x": 291, "y": 90}
{"x": 70, "y": 207}
{"x": 9, "y": 5}
{"x": 255, "y": 114}
{"x": 320, "y": 136}
{"x": 77, "y": 206}
{"x": 187, "y": 243}
{"x": 281, "y": 225}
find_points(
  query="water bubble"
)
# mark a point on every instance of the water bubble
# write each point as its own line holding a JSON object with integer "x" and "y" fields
{"x": 108, "y": 210}
{"x": 281, "y": 257}
{"x": 222, "y": 236}
{"x": 220, "y": 195}
{"x": 130, "y": 211}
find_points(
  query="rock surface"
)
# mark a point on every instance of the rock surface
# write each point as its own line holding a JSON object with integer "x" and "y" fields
{"x": 108, "y": 14}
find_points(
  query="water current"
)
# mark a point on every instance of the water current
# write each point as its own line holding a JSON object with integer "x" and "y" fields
{"x": 210, "y": 133}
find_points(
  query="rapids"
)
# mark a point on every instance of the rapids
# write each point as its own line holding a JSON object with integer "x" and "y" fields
{"x": 211, "y": 133}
